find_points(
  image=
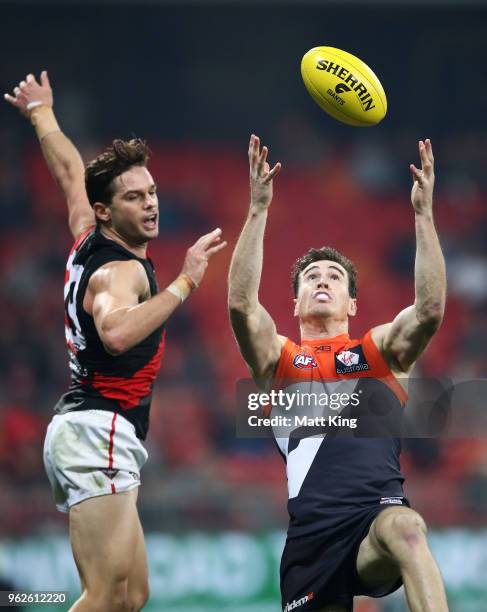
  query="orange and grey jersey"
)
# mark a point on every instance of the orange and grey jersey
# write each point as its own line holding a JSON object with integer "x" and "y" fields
{"x": 101, "y": 381}
{"x": 332, "y": 472}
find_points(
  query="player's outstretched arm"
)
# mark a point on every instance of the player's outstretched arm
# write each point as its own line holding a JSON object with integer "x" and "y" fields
{"x": 34, "y": 100}
{"x": 117, "y": 296}
{"x": 403, "y": 340}
{"x": 252, "y": 325}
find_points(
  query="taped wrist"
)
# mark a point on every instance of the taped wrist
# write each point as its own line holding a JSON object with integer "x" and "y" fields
{"x": 182, "y": 287}
{"x": 43, "y": 119}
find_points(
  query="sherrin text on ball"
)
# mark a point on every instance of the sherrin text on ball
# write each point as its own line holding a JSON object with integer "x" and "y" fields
{"x": 344, "y": 86}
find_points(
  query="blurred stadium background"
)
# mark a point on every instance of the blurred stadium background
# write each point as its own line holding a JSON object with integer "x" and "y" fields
{"x": 195, "y": 80}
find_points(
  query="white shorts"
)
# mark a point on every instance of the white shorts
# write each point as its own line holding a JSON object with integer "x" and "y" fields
{"x": 90, "y": 453}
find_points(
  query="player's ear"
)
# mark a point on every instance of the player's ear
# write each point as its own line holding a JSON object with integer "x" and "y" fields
{"x": 102, "y": 212}
{"x": 352, "y": 307}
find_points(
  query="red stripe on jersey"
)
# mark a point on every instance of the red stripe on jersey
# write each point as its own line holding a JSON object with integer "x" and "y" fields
{"x": 110, "y": 446}
{"x": 114, "y": 490}
{"x": 81, "y": 238}
{"x": 71, "y": 347}
{"x": 74, "y": 247}
{"x": 129, "y": 391}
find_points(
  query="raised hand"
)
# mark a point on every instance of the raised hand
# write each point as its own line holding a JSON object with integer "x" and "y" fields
{"x": 198, "y": 255}
{"x": 424, "y": 179}
{"x": 29, "y": 94}
{"x": 260, "y": 174}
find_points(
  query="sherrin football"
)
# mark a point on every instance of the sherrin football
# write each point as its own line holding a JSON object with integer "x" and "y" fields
{"x": 343, "y": 86}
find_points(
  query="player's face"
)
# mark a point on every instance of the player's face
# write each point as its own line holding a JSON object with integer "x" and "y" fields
{"x": 134, "y": 209}
{"x": 323, "y": 292}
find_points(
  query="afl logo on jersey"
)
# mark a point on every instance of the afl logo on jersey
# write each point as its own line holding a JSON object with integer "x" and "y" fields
{"x": 304, "y": 362}
{"x": 350, "y": 361}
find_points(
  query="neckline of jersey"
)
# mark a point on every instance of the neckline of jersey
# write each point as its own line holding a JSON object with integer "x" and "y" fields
{"x": 120, "y": 246}
{"x": 332, "y": 340}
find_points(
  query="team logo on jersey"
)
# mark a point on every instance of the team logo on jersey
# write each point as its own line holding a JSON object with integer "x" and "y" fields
{"x": 110, "y": 473}
{"x": 351, "y": 360}
{"x": 322, "y": 348}
{"x": 297, "y": 603}
{"x": 304, "y": 362}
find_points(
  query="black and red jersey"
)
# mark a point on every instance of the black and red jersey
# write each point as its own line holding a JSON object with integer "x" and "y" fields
{"x": 101, "y": 381}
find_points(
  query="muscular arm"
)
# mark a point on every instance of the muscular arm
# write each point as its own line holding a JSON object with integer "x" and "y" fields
{"x": 252, "y": 325}
{"x": 67, "y": 168}
{"x": 118, "y": 296}
{"x": 62, "y": 157}
{"x": 114, "y": 299}
{"x": 403, "y": 340}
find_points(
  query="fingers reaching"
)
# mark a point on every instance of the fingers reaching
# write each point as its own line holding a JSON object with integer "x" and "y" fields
{"x": 274, "y": 172}
{"x": 426, "y": 155}
{"x": 214, "y": 249}
{"x": 10, "y": 99}
{"x": 211, "y": 240}
{"x": 427, "y": 162}
{"x": 198, "y": 256}
{"x": 45, "y": 79}
{"x": 210, "y": 243}
{"x": 208, "y": 239}
{"x": 18, "y": 100}
{"x": 253, "y": 149}
{"x": 262, "y": 160}
{"x": 422, "y": 152}
{"x": 30, "y": 93}
{"x": 416, "y": 174}
{"x": 258, "y": 161}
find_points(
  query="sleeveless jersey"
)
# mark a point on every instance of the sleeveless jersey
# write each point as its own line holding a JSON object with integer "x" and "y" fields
{"x": 101, "y": 381}
{"x": 334, "y": 474}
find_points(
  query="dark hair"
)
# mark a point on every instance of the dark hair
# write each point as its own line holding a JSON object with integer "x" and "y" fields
{"x": 117, "y": 159}
{"x": 329, "y": 254}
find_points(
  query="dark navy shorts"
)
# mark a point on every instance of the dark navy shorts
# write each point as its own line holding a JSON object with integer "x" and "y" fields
{"x": 321, "y": 569}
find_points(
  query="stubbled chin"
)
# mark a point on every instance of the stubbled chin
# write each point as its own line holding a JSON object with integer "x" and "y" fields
{"x": 320, "y": 309}
{"x": 150, "y": 234}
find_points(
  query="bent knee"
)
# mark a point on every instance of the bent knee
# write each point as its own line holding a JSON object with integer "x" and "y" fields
{"x": 406, "y": 529}
{"x": 109, "y": 596}
{"x": 137, "y": 597}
